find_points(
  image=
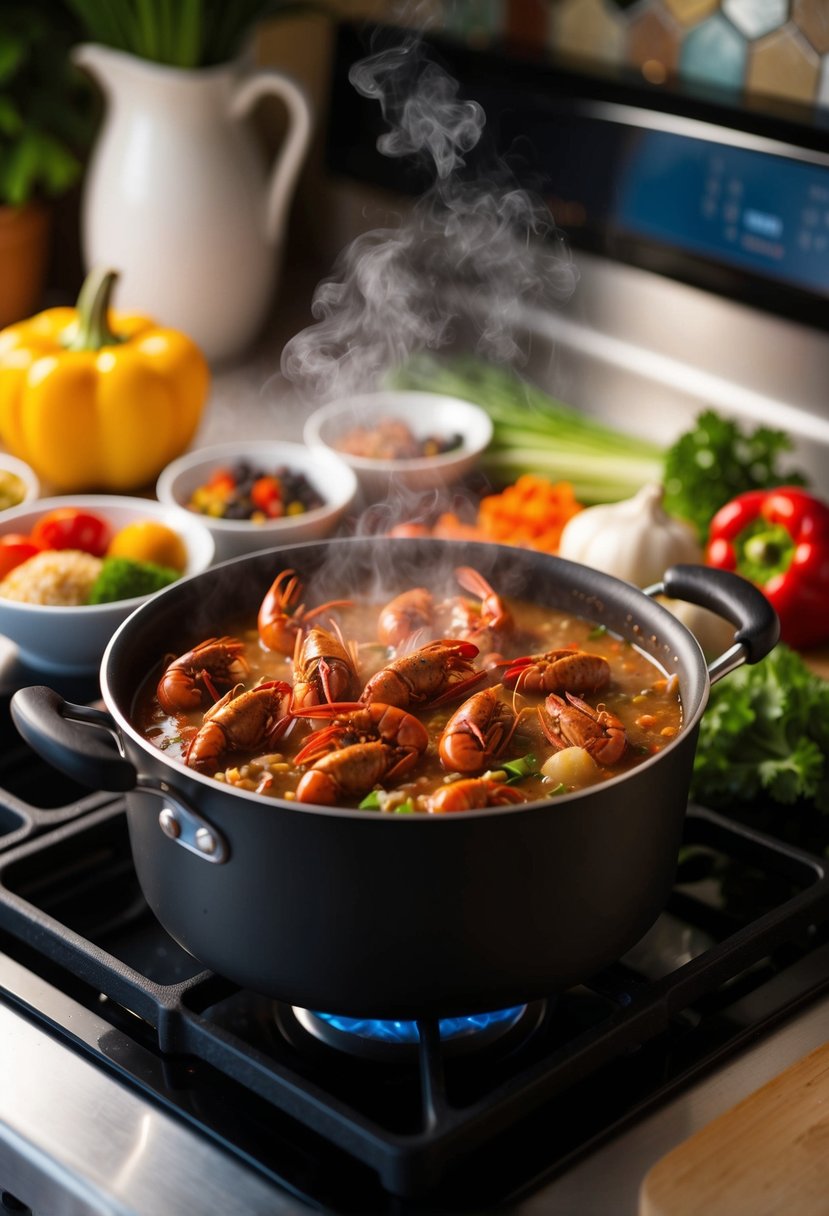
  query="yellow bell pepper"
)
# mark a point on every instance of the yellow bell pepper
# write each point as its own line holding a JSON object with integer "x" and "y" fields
{"x": 98, "y": 401}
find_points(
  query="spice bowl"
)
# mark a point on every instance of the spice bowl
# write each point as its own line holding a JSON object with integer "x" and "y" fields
{"x": 300, "y": 469}
{"x": 431, "y": 419}
{"x": 71, "y": 639}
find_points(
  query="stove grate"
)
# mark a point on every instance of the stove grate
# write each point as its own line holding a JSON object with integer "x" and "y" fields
{"x": 72, "y": 896}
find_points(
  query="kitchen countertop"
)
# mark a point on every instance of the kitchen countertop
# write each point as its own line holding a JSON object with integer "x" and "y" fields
{"x": 607, "y": 1182}
{"x": 249, "y": 398}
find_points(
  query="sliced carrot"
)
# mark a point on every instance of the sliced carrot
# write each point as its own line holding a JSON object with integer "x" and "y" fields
{"x": 531, "y": 513}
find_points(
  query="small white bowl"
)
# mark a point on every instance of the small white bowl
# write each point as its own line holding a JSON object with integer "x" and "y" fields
{"x": 31, "y": 483}
{"x": 427, "y": 414}
{"x": 327, "y": 473}
{"x": 72, "y": 640}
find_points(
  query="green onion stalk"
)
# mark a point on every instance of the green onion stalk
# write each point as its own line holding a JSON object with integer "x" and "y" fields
{"x": 535, "y": 433}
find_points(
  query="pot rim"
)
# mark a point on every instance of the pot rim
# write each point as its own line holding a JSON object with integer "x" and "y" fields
{"x": 612, "y": 586}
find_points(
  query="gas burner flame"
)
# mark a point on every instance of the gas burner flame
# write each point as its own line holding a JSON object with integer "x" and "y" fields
{"x": 388, "y": 1031}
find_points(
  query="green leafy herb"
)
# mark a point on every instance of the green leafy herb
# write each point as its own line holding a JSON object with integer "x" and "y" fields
{"x": 371, "y": 802}
{"x": 765, "y": 732}
{"x": 525, "y": 766}
{"x": 715, "y": 461}
{"x": 598, "y": 631}
{"x": 380, "y": 800}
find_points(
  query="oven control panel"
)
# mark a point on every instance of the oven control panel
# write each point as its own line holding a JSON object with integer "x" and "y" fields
{"x": 752, "y": 208}
{"x": 706, "y": 194}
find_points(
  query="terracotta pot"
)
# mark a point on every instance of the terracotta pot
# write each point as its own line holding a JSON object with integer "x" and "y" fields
{"x": 24, "y": 247}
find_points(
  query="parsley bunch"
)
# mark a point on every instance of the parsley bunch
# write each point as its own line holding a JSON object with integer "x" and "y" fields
{"x": 765, "y": 733}
{"x": 715, "y": 461}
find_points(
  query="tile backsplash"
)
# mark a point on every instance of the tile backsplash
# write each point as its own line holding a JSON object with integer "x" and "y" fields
{"x": 757, "y": 52}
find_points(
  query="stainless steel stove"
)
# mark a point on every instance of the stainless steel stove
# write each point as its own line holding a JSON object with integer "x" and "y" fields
{"x": 134, "y": 1081}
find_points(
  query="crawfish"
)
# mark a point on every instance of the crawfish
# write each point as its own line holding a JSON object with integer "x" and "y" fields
{"x": 557, "y": 671}
{"x": 435, "y": 673}
{"x": 353, "y": 723}
{"x": 406, "y": 614}
{"x": 341, "y": 776}
{"x": 478, "y": 732}
{"x": 324, "y": 669}
{"x": 474, "y": 621}
{"x": 282, "y": 618}
{"x": 241, "y": 721}
{"x": 471, "y": 794}
{"x": 216, "y": 661}
{"x": 574, "y": 723}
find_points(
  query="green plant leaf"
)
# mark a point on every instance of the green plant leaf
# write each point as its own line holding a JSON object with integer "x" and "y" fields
{"x": 60, "y": 169}
{"x": 21, "y": 170}
{"x": 12, "y": 52}
{"x": 99, "y": 21}
{"x": 37, "y": 160}
{"x": 182, "y": 33}
{"x": 166, "y": 30}
{"x": 189, "y": 40}
{"x": 11, "y": 120}
{"x": 46, "y": 105}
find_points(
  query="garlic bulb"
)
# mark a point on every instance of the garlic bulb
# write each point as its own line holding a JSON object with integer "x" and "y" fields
{"x": 635, "y": 540}
{"x": 714, "y": 633}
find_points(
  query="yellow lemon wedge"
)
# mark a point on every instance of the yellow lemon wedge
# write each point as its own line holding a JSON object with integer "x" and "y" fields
{"x": 147, "y": 540}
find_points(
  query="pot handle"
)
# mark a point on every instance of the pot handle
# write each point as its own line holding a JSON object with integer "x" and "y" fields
{"x": 59, "y": 732}
{"x": 733, "y": 597}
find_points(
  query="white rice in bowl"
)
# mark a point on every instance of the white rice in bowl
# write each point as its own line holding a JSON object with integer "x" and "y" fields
{"x": 62, "y": 577}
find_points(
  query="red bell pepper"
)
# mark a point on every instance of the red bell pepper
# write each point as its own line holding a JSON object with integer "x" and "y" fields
{"x": 779, "y": 540}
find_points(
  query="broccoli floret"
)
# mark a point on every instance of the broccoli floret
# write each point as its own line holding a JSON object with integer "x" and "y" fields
{"x": 121, "y": 578}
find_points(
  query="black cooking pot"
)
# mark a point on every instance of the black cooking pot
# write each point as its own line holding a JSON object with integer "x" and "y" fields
{"x": 357, "y": 912}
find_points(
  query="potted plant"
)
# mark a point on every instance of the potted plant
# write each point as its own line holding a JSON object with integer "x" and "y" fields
{"x": 44, "y": 120}
{"x": 179, "y": 33}
{"x": 179, "y": 196}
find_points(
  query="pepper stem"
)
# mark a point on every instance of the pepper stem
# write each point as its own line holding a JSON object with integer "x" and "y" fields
{"x": 93, "y": 331}
{"x": 764, "y": 550}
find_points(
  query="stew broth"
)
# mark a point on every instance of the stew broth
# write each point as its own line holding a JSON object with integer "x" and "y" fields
{"x": 638, "y": 700}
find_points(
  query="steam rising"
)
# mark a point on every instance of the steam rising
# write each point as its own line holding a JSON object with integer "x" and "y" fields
{"x": 478, "y": 251}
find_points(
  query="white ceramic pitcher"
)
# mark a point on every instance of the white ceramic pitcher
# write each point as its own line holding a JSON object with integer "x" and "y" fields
{"x": 179, "y": 198}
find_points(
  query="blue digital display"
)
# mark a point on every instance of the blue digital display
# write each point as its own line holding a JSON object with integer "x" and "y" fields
{"x": 766, "y": 214}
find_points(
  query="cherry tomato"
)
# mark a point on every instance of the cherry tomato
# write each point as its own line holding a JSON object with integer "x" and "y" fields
{"x": 221, "y": 481}
{"x": 266, "y": 494}
{"x": 14, "y": 549}
{"x": 71, "y": 528}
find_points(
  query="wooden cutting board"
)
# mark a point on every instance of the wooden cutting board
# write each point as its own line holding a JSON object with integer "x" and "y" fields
{"x": 767, "y": 1156}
